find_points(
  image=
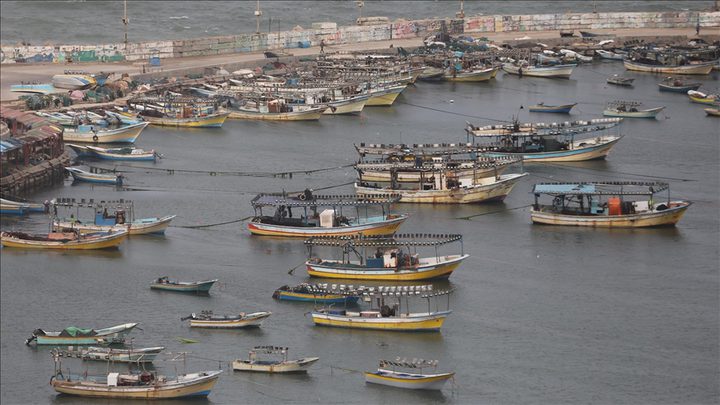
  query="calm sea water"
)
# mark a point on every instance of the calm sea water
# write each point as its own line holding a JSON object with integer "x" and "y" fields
{"x": 95, "y": 22}
{"x": 541, "y": 314}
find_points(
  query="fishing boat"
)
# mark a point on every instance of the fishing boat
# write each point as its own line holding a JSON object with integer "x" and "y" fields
{"x": 277, "y": 110}
{"x": 432, "y": 74}
{"x": 108, "y": 215}
{"x": 95, "y": 134}
{"x": 715, "y": 112}
{"x": 275, "y": 361}
{"x": 412, "y": 168}
{"x": 176, "y": 111}
{"x": 560, "y": 109}
{"x": 609, "y": 55}
{"x": 629, "y": 109}
{"x": 113, "y": 355}
{"x": 620, "y": 80}
{"x": 35, "y": 88}
{"x": 10, "y": 207}
{"x": 627, "y": 205}
{"x": 88, "y": 177}
{"x": 677, "y": 85}
{"x": 385, "y": 258}
{"x": 389, "y": 311}
{"x": 702, "y": 98}
{"x": 384, "y": 96}
{"x": 64, "y": 240}
{"x": 73, "y": 80}
{"x": 73, "y": 335}
{"x": 306, "y": 221}
{"x": 317, "y": 293}
{"x": 387, "y": 374}
{"x": 555, "y": 71}
{"x": 572, "y": 56}
{"x": 587, "y": 34}
{"x": 446, "y": 188}
{"x": 690, "y": 69}
{"x": 205, "y": 121}
{"x": 206, "y": 319}
{"x": 126, "y": 153}
{"x": 351, "y": 105}
{"x": 164, "y": 283}
{"x": 474, "y": 75}
{"x": 139, "y": 385}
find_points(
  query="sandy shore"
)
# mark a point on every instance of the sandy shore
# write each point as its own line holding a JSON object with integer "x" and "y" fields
{"x": 42, "y": 72}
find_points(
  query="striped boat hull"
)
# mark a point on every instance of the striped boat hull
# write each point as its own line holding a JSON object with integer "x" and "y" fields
{"x": 385, "y": 98}
{"x": 439, "y": 271}
{"x": 210, "y": 121}
{"x": 667, "y": 217}
{"x": 408, "y": 380}
{"x": 199, "y": 388}
{"x": 412, "y": 323}
{"x": 699, "y": 69}
{"x": 126, "y": 134}
{"x": 380, "y": 228}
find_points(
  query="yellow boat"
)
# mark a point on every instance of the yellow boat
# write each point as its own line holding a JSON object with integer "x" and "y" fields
{"x": 385, "y": 258}
{"x": 64, "y": 241}
{"x": 702, "y": 98}
{"x": 385, "y": 97}
{"x": 387, "y": 374}
{"x": 207, "y": 121}
{"x": 479, "y": 75}
{"x": 309, "y": 114}
{"x": 578, "y": 204}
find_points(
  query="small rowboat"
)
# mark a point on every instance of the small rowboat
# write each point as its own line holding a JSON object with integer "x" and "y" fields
{"x": 312, "y": 293}
{"x": 621, "y": 81}
{"x": 692, "y": 69}
{"x": 559, "y": 71}
{"x": 35, "y": 88}
{"x": 206, "y": 319}
{"x": 77, "y": 336}
{"x": 9, "y": 207}
{"x": 144, "y": 355}
{"x": 128, "y": 153}
{"x": 273, "y": 365}
{"x": 432, "y": 74}
{"x": 82, "y": 175}
{"x": 629, "y": 109}
{"x": 674, "y": 85}
{"x": 714, "y": 112}
{"x": 702, "y": 98}
{"x": 560, "y": 109}
{"x": 164, "y": 283}
{"x": 404, "y": 379}
{"x": 94, "y": 134}
{"x": 609, "y": 55}
{"x": 64, "y": 240}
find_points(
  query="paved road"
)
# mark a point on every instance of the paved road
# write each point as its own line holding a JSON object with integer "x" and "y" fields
{"x": 17, "y": 73}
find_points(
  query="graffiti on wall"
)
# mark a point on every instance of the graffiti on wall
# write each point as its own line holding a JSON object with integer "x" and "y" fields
{"x": 48, "y": 54}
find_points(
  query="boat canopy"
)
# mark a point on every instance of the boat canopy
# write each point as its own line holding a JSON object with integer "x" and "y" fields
{"x": 414, "y": 363}
{"x": 424, "y": 291}
{"x": 413, "y": 239}
{"x": 601, "y": 188}
{"x": 270, "y": 349}
{"x": 311, "y": 200}
{"x": 90, "y": 203}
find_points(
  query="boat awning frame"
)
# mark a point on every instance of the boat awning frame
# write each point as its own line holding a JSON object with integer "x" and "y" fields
{"x": 277, "y": 200}
{"x": 610, "y": 188}
{"x": 398, "y": 240}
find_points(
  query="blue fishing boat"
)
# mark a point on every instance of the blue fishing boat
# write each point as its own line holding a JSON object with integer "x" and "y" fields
{"x": 560, "y": 109}
{"x": 10, "y": 207}
{"x": 314, "y": 293}
{"x": 82, "y": 175}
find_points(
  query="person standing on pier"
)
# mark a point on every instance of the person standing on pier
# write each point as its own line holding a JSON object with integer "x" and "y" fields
{"x": 322, "y": 46}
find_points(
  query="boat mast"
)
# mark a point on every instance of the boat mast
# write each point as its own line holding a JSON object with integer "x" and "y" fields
{"x": 125, "y": 21}
{"x": 258, "y": 14}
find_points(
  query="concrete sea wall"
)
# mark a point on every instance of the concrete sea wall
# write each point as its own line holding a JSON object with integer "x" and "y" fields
{"x": 332, "y": 35}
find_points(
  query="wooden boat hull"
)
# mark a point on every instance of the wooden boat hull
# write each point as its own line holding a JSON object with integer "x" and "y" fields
{"x": 105, "y": 242}
{"x": 126, "y": 134}
{"x": 309, "y": 115}
{"x": 132, "y": 157}
{"x": 558, "y": 71}
{"x": 379, "y": 228}
{"x": 9, "y": 207}
{"x": 413, "y": 177}
{"x": 385, "y": 98}
{"x": 147, "y": 355}
{"x": 679, "y": 89}
{"x": 210, "y": 121}
{"x": 143, "y": 226}
{"x": 703, "y": 100}
{"x": 609, "y": 55}
{"x": 476, "y": 76}
{"x": 430, "y": 272}
{"x": 699, "y": 69}
{"x": 199, "y": 287}
{"x": 597, "y": 148}
{"x": 714, "y": 112}
{"x": 293, "y": 366}
{"x": 199, "y": 388}
{"x": 496, "y": 191}
{"x": 96, "y": 178}
{"x": 347, "y": 107}
{"x": 668, "y": 217}
{"x": 318, "y": 298}
{"x": 252, "y": 320}
{"x": 413, "y": 323}
{"x": 115, "y": 334}
{"x": 651, "y": 113}
{"x": 560, "y": 109}
{"x": 408, "y": 380}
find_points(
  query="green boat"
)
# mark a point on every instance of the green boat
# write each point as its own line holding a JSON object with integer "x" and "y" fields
{"x": 164, "y": 283}
{"x": 78, "y": 336}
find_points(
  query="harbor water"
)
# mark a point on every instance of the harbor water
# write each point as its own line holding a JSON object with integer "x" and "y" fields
{"x": 541, "y": 314}
{"x": 38, "y": 21}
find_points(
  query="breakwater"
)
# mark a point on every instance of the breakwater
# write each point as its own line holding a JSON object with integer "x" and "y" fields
{"x": 332, "y": 34}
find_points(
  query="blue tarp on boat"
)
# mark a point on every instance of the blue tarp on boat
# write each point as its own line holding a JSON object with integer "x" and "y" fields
{"x": 8, "y": 145}
{"x": 564, "y": 189}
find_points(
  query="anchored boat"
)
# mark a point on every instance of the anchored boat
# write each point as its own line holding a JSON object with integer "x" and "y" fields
{"x": 554, "y": 71}
{"x": 173, "y": 111}
{"x": 621, "y": 81}
{"x": 560, "y": 109}
{"x": 307, "y": 220}
{"x": 206, "y": 319}
{"x": 89, "y": 177}
{"x": 108, "y": 215}
{"x": 127, "y": 153}
{"x": 387, "y": 374}
{"x": 714, "y": 112}
{"x": 626, "y": 205}
{"x": 629, "y": 109}
{"x": 142, "y": 355}
{"x": 275, "y": 360}
{"x": 473, "y": 75}
{"x": 64, "y": 240}
{"x": 164, "y": 283}
{"x": 609, "y": 55}
{"x": 387, "y": 311}
{"x": 96, "y": 134}
{"x": 702, "y": 98}
{"x": 676, "y": 85}
{"x": 78, "y": 336}
{"x": 10, "y": 207}
{"x": 317, "y": 293}
{"x": 691, "y": 69}
{"x": 392, "y": 259}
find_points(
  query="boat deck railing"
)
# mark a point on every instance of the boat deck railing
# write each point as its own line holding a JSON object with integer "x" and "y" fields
{"x": 302, "y": 200}
{"x": 398, "y": 240}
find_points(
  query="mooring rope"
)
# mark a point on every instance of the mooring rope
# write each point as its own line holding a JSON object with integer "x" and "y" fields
{"x": 210, "y": 225}
{"x": 171, "y": 171}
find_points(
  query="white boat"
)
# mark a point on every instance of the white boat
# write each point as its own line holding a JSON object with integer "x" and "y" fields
{"x": 271, "y": 363}
{"x": 629, "y": 109}
{"x": 609, "y": 55}
{"x": 206, "y": 319}
{"x": 73, "y": 81}
{"x": 560, "y": 71}
{"x": 387, "y": 374}
{"x": 95, "y": 134}
{"x": 88, "y": 177}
